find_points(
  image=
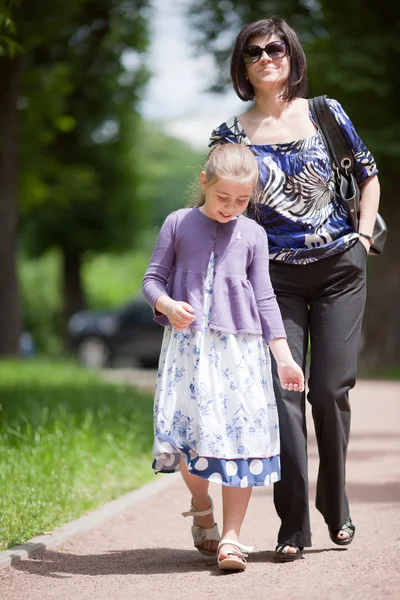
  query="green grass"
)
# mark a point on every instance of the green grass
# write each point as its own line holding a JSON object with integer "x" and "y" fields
{"x": 68, "y": 442}
{"x": 392, "y": 374}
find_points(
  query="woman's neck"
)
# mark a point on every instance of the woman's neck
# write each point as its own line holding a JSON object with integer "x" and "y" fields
{"x": 269, "y": 105}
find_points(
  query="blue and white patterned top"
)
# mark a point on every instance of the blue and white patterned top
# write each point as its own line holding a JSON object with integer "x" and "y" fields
{"x": 299, "y": 208}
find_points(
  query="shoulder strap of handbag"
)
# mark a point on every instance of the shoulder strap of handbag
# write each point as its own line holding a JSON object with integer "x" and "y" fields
{"x": 333, "y": 136}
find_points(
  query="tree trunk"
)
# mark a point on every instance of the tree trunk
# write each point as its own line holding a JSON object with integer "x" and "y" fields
{"x": 10, "y": 314}
{"x": 73, "y": 294}
{"x": 381, "y": 331}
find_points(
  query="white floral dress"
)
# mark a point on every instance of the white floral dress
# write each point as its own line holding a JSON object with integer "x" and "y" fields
{"x": 215, "y": 405}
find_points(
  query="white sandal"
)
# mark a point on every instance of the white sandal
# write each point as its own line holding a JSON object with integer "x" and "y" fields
{"x": 201, "y": 534}
{"x": 236, "y": 559}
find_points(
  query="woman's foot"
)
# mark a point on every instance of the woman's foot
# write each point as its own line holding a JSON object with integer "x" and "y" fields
{"x": 343, "y": 536}
{"x": 204, "y": 530}
{"x": 288, "y": 552}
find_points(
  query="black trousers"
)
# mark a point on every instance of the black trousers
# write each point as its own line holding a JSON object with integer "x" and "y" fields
{"x": 321, "y": 302}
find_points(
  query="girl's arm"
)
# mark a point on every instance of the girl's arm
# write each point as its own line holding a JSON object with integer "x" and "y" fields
{"x": 155, "y": 280}
{"x": 290, "y": 374}
{"x": 281, "y": 351}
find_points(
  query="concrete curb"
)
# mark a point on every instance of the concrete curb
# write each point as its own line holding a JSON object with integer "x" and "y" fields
{"x": 86, "y": 522}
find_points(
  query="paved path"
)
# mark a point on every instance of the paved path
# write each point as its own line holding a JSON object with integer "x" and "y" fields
{"x": 146, "y": 551}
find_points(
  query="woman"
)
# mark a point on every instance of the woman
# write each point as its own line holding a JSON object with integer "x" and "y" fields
{"x": 317, "y": 266}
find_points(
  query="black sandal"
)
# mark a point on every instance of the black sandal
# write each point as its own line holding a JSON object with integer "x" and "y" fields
{"x": 347, "y": 527}
{"x": 282, "y": 556}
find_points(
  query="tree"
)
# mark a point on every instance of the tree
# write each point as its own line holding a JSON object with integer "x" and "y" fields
{"x": 354, "y": 59}
{"x": 90, "y": 202}
{"x": 10, "y": 317}
{"x": 76, "y": 101}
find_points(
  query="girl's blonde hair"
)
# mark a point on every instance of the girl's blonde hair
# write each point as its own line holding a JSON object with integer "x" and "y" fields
{"x": 229, "y": 161}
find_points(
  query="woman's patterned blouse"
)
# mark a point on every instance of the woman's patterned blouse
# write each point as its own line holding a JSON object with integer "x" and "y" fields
{"x": 299, "y": 208}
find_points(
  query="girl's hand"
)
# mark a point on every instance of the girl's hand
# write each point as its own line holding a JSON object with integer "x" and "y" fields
{"x": 291, "y": 376}
{"x": 180, "y": 314}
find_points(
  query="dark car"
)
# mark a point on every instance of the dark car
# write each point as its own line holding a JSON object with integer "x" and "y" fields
{"x": 127, "y": 334}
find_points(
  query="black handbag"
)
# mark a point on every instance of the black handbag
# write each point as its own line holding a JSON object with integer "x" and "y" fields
{"x": 343, "y": 164}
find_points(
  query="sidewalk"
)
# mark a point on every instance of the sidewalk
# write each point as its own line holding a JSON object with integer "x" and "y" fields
{"x": 146, "y": 552}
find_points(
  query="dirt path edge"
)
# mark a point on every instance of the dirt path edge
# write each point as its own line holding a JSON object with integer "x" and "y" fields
{"x": 86, "y": 522}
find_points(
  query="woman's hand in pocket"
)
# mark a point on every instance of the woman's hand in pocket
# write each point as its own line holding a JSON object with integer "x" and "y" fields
{"x": 365, "y": 243}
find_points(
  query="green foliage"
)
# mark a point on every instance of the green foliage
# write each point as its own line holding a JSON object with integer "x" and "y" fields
{"x": 168, "y": 168}
{"x": 78, "y": 125}
{"x": 41, "y": 301}
{"x": 8, "y": 44}
{"x": 110, "y": 280}
{"x": 113, "y": 279}
{"x": 68, "y": 442}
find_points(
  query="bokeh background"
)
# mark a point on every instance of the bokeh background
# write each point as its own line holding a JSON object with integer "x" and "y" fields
{"x": 106, "y": 107}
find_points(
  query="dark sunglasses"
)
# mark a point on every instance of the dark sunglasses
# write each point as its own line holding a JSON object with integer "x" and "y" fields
{"x": 253, "y": 53}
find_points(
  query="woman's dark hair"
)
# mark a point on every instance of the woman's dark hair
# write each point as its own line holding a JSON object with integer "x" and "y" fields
{"x": 296, "y": 86}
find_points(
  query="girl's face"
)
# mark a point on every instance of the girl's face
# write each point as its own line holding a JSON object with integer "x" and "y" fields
{"x": 268, "y": 73}
{"x": 225, "y": 199}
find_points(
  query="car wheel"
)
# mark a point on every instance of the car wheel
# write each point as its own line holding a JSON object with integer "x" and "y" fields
{"x": 93, "y": 352}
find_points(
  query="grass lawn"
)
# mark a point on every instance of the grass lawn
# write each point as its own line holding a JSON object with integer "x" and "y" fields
{"x": 68, "y": 442}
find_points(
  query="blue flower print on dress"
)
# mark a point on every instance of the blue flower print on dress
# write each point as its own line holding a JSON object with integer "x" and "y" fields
{"x": 213, "y": 355}
{"x": 223, "y": 339}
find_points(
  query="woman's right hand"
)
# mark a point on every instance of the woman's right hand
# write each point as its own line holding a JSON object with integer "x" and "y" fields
{"x": 180, "y": 314}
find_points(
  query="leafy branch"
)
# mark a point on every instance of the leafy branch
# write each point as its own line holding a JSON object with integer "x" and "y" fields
{"x": 8, "y": 31}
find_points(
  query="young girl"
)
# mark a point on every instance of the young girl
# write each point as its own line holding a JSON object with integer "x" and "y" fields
{"x": 215, "y": 413}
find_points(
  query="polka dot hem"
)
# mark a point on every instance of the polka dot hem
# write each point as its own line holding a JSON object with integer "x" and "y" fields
{"x": 235, "y": 472}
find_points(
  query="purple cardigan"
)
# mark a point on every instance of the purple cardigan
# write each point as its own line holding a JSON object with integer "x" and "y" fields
{"x": 243, "y": 298}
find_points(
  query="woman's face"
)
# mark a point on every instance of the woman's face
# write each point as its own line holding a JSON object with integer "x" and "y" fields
{"x": 268, "y": 73}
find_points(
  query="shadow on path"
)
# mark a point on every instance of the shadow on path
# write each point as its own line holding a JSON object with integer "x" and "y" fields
{"x": 145, "y": 561}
